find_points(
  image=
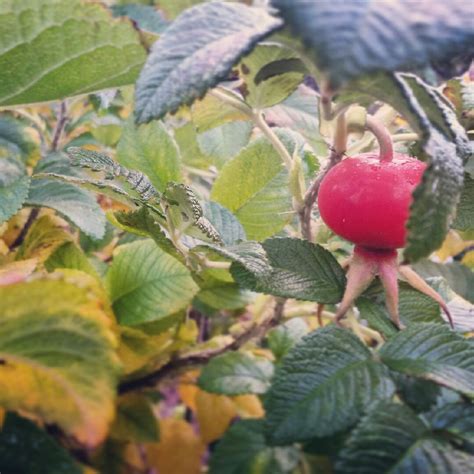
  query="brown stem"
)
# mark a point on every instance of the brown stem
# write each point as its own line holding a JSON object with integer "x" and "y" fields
{"x": 383, "y": 137}
{"x": 21, "y": 236}
{"x": 60, "y": 124}
{"x": 337, "y": 152}
{"x": 256, "y": 331}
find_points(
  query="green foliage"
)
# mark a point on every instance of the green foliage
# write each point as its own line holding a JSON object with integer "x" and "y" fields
{"x": 178, "y": 71}
{"x": 236, "y": 373}
{"x": 244, "y": 449}
{"x": 393, "y": 439}
{"x": 350, "y": 39}
{"x": 254, "y": 187}
{"x": 39, "y": 62}
{"x": 146, "y": 284}
{"x": 24, "y": 447}
{"x": 296, "y": 269}
{"x": 432, "y": 352}
{"x": 170, "y": 302}
{"x": 323, "y": 386}
{"x": 151, "y": 150}
{"x": 75, "y": 204}
{"x": 14, "y": 185}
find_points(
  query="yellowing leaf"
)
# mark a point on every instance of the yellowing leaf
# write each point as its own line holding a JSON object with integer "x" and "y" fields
{"x": 249, "y": 406}
{"x": 188, "y": 331}
{"x": 452, "y": 245}
{"x": 58, "y": 357}
{"x": 214, "y": 414}
{"x": 179, "y": 451}
{"x": 44, "y": 237}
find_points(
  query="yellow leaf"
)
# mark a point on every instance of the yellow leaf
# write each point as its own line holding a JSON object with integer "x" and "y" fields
{"x": 214, "y": 414}
{"x": 15, "y": 272}
{"x": 452, "y": 245}
{"x": 188, "y": 331}
{"x": 188, "y": 389}
{"x": 249, "y": 406}
{"x": 59, "y": 362}
{"x": 179, "y": 451}
{"x": 44, "y": 237}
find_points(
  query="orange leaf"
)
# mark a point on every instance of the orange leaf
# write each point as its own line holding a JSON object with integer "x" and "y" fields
{"x": 180, "y": 449}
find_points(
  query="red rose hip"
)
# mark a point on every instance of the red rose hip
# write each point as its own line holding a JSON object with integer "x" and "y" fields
{"x": 367, "y": 201}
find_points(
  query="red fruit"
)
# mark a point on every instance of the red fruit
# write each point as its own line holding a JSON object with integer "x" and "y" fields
{"x": 366, "y": 200}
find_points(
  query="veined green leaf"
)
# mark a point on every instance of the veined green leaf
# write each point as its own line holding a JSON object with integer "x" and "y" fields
{"x": 465, "y": 211}
{"x": 432, "y": 352}
{"x": 196, "y": 52}
{"x": 225, "y": 223}
{"x": 323, "y": 386}
{"x": 393, "y": 439}
{"x": 348, "y": 39}
{"x": 146, "y": 284}
{"x": 152, "y": 150}
{"x": 14, "y": 186}
{"x": 105, "y": 53}
{"x": 236, "y": 373}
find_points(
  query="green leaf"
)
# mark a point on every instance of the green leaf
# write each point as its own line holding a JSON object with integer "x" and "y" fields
{"x": 465, "y": 210}
{"x": 226, "y": 224}
{"x": 77, "y": 205}
{"x": 224, "y": 142}
{"x": 282, "y": 338}
{"x": 58, "y": 355}
{"x": 352, "y": 38}
{"x": 152, "y": 150}
{"x": 172, "y": 8}
{"x": 196, "y": 52}
{"x": 40, "y": 62}
{"x": 135, "y": 420}
{"x": 457, "y": 419}
{"x": 254, "y": 187}
{"x": 211, "y": 112}
{"x": 391, "y": 438}
{"x": 298, "y": 269}
{"x": 146, "y": 17}
{"x": 419, "y": 394}
{"x": 300, "y": 112}
{"x": 323, "y": 386}
{"x": 458, "y": 276}
{"x": 413, "y": 306}
{"x": 14, "y": 186}
{"x": 143, "y": 223}
{"x": 26, "y": 448}
{"x": 376, "y": 316}
{"x": 271, "y": 73}
{"x": 69, "y": 255}
{"x": 225, "y": 296}
{"x": 236, "y": 373}
{"x": 14, "y": 139}
{"x": 432, "y": 352}
{"x": 185, "y": 213}
{"x": 191, "y": 154}
{"x": 146, "y": 284}
{"x": 243, "y": 449}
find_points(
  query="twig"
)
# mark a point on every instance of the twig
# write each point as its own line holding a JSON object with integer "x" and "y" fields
{"x": 337, "y": 152}
{"x": 256, "y": 331}
{"x": 60, "y": 124}
{"x": 21, "y": 236}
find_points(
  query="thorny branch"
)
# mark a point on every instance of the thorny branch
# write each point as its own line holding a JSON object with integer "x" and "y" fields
{"x": 256, "y": 331}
